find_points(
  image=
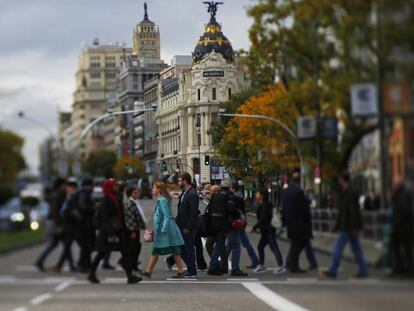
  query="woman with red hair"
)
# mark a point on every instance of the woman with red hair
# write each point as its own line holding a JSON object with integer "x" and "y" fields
{"x": 112, "y": 232}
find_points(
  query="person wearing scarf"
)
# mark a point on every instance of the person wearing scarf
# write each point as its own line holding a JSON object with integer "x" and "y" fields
{"x": 135, "y": 221}
{"x": 112, "y": 233}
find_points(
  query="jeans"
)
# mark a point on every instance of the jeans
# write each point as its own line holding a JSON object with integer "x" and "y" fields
{"x": 245, "y": 242}
{"x": 269, "y": 238}
{"x": 235, "y": 246}
{"x": 310, "y": 255}
{"x": 218, "y": 249}
{"x": 52, "y": 242}
{"x": 189, "y": 252}
{"x": 340, "y": 243}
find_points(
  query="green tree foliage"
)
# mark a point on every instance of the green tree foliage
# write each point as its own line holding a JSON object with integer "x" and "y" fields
{"x": 12, "y": 161}
{"x": 100, "y": 163}
{"x": 319, "y": 48}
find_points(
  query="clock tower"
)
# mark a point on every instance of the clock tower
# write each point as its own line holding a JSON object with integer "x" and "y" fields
{"x": 146, "y": 38}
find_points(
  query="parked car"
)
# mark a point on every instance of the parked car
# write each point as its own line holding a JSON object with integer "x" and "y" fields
{"x": 12, "y": 217}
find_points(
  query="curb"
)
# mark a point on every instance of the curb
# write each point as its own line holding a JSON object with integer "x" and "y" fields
{"x": 22, "y": 246}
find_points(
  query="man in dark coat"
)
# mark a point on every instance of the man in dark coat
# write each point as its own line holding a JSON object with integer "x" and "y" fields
{"x": 402, "y": 229}
{"x": 86, "y": 232}
{"x": 187, "y": 219}
{"x": 348, "y": 224}
{"x": 297, "y": 218}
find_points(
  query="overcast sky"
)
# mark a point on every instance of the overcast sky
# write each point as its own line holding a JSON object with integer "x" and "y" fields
{"x": 40, "y": 42}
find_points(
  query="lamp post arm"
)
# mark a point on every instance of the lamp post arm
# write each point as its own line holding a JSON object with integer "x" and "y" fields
{"x": 292, "y": 136}
{"x": 105, "y": 116}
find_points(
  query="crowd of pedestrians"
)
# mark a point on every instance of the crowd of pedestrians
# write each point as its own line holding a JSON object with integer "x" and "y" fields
{"x": 115, "y": 222}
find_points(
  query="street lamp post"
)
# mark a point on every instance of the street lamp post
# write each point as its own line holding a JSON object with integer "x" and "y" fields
{"x": 59, "y": 146}
{"x": 292, "y": 137}
{"x": 105, "y": 116}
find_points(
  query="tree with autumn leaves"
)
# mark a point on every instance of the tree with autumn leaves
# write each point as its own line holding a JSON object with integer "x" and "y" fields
{"x": 317, "y": 50}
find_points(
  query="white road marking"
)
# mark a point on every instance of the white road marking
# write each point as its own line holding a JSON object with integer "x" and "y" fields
{"x": 272, "y": 299}
{"x": 21, "y": 309}
{"x": 62, "y": 286}
{"x": 203, "y": 240}
{"x": 39, "y": 299}
{"x": 243, "y": 280}
{"x": 180, "y": 280}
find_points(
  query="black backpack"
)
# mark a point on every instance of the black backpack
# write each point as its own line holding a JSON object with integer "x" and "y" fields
{"x": 96, "y": 218}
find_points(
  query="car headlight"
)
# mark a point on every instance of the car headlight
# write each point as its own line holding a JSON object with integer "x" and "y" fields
{"x": 17, "y": 217}
{"x": 34, "y": 225}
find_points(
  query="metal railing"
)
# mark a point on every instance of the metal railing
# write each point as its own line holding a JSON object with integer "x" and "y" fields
{"x": 373, "y": 222}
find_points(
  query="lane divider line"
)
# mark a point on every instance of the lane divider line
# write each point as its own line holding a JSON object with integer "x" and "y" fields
{"x": 272, "y": 299}
{"x": 62, "y": 286}
{"x": 21, "y": 309}
{"x": 39, "y": 299}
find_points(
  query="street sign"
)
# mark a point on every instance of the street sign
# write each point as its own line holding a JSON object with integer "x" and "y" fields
{"x": 306, "y": 127}
{"x": 213, "y": 74}
{"x": 397, "y": 98}
{"x": 364, "y": 100}
{"x": 329, "y": 128}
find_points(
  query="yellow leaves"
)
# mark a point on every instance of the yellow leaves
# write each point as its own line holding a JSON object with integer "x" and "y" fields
{"x": 128, "y": 166}
{"x": 263, "y": 135}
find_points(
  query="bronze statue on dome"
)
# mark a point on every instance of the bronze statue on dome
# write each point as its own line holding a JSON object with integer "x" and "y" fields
{"x": 212, "y": 7}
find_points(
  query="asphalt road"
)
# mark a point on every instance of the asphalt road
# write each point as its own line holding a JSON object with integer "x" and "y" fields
{"x": 22, "y": 288}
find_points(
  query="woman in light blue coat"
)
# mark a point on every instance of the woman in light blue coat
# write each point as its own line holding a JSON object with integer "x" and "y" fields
{"x": 167, "y": 235}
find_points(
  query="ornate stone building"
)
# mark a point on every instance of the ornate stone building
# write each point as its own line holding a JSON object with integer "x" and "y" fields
{"x": 189, "y": 104}
{"x": 143, "y": 65}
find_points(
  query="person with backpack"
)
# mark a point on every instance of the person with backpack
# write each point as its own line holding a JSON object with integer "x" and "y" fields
{"x": 112, "y": 233}
{"x": 224, "y": 213}
{"x": 54, "y": 222}
{"x": 86, "y": 232}
{"x": 70, "y": 218}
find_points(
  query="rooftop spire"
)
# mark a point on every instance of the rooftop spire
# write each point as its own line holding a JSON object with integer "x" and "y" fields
{"x": 145, "y": 12}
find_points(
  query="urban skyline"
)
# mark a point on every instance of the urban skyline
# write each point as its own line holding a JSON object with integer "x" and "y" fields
{"x": 29, "y": 67}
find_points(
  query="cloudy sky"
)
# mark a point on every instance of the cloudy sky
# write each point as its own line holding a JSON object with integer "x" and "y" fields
{"x": 40, "y": 42}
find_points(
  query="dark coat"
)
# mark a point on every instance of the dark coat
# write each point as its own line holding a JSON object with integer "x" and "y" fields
{"x": 58, "y": 199}
{"x": 401, "y": 213}
{"x": 296, "y": 214}
{"x": 349, "y": 213}
{"x": 217, "y": 210}
{"x": 187, "y": 215}
{"x": 264, "y": 218}
{"x": 111, "y": 223}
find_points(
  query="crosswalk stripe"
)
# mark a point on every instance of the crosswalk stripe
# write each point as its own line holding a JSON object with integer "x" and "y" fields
{"x": 272, "y": 299}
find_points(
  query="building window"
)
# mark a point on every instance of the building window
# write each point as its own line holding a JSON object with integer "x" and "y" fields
{"x": 95, "y": 65}
{"x": 110, "y": 75}
{"x": 95, "y": 75}
{"x": 229, "y": 93}
{"x": 110, "y": 65}
{"x": 214, "y": 95}
{"x": 198, "y": 120}
{"x": 135, "y": 82}
{"x": 198, "y": 94}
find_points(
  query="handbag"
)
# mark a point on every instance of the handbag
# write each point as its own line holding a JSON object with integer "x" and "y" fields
{"x": 276, "y": 219}
{"x": 113, "y": 243}
{"x": 149, "y": 235}
{"x": 239, "y": 224}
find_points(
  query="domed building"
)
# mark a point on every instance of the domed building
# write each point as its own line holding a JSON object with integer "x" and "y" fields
{"x": 189, "y": 105}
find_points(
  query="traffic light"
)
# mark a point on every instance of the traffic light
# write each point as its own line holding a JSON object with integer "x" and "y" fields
{"x": 164, "y": 166}
{"x": 207, "y": 160}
